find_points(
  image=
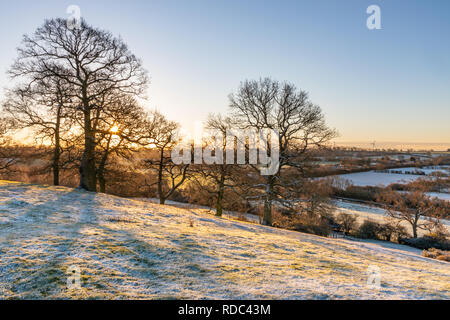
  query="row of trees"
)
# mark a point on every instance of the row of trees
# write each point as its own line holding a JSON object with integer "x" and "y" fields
{"x": 78, "y": 91}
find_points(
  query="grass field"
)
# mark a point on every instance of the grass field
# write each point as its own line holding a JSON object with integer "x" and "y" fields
{"x": 133, "y": 249}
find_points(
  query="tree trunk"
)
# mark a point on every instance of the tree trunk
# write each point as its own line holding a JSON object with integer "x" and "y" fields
{"x": 101, "y": 176}
{"x": 57, "y": 151}
{"x": 219, "y": 204}
{"x": 162, "y": 199}
{"x": 102, "y": 183}
{"x": 267, "y": 218}
{"x": 102, "y": 166}
{"x": 88, "y": 172}
{"x": 220, "y": 193}
{"x": 414, "y": 225}
{"x": 55, "y": 165}
{"x": 88, "y": 179}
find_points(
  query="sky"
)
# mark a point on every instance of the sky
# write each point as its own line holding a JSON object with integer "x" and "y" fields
{"x": 391, "y": 84}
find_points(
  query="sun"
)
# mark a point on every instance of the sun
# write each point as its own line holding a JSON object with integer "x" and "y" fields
{"x": 114, "y": 129}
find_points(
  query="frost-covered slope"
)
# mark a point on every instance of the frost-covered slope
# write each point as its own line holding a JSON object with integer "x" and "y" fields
{"x": 133, "y": 249}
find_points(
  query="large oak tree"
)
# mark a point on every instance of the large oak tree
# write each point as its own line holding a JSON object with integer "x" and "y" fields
{"x": 300, "y": 124}
{"x": 93, "y": 62}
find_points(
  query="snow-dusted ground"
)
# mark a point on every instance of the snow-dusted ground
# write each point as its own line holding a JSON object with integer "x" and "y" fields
{"x": 226, "y": 214}
{"x": 376, "y": 178}
{"x": 439, "y": 195}
{"x": 373, "y": 178}
{"x": 134, "y": 249}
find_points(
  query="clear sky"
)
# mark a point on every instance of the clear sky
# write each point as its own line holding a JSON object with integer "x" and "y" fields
{"x": 391, "y": 84}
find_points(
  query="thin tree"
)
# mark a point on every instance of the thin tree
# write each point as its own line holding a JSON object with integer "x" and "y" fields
{"x": 44, "y": 107}
{"x": 216, "y": 178}
{"x": 315, "y": 196}
{"x": 414, "y": 208}
{"x": 170, "y": 176}
{"x": 347, "y": 222}
{"x": 121, "y": 132}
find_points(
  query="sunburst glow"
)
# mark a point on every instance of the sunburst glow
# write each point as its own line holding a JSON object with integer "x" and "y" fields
{"x": 114, "y": 129}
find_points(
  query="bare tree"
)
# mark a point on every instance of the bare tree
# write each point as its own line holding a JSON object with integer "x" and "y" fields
{"x": 170, "y": 176}
{"x": 315, "y": 196}
{"x": 415, "y": 208}
{"x": 44, "y": 107}
{"x": 121, "y": 131}
{"x": 268, "y": 104}
{"x": 93, "y": 62}
{"x": 347, "y": 222}
{"x": 216, "y": 178}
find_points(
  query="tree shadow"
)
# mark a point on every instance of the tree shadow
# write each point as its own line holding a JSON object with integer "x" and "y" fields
{"x": 73, "y": 228}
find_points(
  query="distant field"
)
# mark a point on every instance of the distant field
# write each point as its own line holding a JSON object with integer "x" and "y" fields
{"x": 440, "y": 148}
{"x": 372, "y": 178}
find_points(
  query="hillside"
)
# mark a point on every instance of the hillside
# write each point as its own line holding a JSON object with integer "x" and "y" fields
{"x": 135, "y": 249}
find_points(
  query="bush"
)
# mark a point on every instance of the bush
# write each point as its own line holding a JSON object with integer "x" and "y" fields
{"x": 445, "y": 257}
{"x": 381, "y": 231}
{"x": 369, "y": 230}
{"x": 390, "y": 231}
{"x": 347, "y": 222}
{"x": 302, "y": 223}
{"x": 439, "y": 232}
{"x": 315, "y": 225}
{"x": 426, "y": 243}
{"x": 437, "y": 254}
{"x": 281, "y": 219}
{"x": 361, "y": 193}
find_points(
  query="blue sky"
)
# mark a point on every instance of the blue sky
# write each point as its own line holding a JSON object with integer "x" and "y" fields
{"x": 391, "y": 84}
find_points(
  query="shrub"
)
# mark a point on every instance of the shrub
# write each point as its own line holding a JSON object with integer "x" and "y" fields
{"x": 445, "y": 257}
{"x": 346, "y": 221}
{"x": 302, "y": 223}
{"x": 426, "y": 243}
{"x": 391, "y": 232}
{"x": 281, "y": 219}
{"x": 360, "y": 193}
{"x": 317, "y": 226}
{"x": 437, "y": 254}
{"x": 385, "y": 231}
{"x": 369, "y": 230}
{"x": 439, "y": 232}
